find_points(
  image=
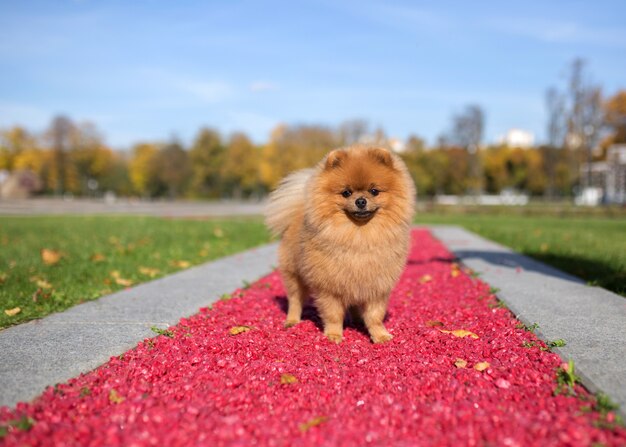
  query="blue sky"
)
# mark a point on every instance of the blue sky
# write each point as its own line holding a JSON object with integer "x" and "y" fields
{"x": 148, "y": 70}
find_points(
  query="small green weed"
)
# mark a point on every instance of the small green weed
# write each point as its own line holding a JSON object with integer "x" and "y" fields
{"x": 532, "y": 344}
{"x": 532, "y": 328}
{"x": 559, "y": 343}
{"x": 566, "y": 379}
{"x": 604, "y": 404}
{"x": 499, "y": 304}
{"x": 24, "y": 423}
{"x": 84, "y": 391}
{"x": 607, "y": 409}
{"x": 165, "y": 332}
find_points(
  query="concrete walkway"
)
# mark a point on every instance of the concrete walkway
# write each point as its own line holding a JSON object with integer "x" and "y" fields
{"x": 61, "y": 346}
{"x": 161, "y": 208}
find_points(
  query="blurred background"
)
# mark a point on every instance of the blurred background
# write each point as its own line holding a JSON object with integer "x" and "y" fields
{"x": 138, "y": 138}
{"x": 488, "y": 103}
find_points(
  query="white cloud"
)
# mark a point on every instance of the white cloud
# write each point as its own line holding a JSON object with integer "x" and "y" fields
{"x": 556, "y": 31}
{"x": 207, "y": 91}
{"x": 262, "y": 86}
{"x": 171, "y": 84}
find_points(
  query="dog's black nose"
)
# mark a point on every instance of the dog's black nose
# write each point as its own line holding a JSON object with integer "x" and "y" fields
{"x": 360, "y": 202}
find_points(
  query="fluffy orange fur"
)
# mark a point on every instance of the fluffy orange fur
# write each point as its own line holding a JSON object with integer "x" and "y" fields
{"x": 345, "y": 236}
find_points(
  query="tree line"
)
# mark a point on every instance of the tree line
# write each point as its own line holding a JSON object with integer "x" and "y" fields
{"x": 73, "y": 158}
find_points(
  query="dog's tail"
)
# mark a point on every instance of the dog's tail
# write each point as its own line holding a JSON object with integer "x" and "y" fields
{"x": 285, "y": 201}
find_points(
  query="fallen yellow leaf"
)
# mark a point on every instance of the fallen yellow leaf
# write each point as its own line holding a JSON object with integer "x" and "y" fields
{"x": 218, "y": 232}
{"x": 312, "y": 423}
{"x": 115, "y": 398}
{"x": 115, "y": 274}
{"x": 97, "y": 257}
{"x": 460, "y": 363}
{"x": 236, "y": 330}
{"x": 461, "y": 333}
{"x": 180, "y": 264}
{"x": 426, "y": 278}
{"x": 50, "y": 257}
{"x": 12, "y": 312}
{"x": 124, "y": 282}
{"x": 41, "y": 283}
{"x": 481, "y": 366}
{"x": 149, "y": 271}
{"x": 286, "y": 379}
{"x": 44, "y": 284}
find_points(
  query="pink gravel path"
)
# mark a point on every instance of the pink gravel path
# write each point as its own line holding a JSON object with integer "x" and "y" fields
{"x": 205, "y": 386}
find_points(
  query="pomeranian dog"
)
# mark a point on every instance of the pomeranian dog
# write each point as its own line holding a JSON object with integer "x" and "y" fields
{"x": 345, "y": 236}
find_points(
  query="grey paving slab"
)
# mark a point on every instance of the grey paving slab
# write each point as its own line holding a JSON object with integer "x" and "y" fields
{"x": 590, "y": 319}
{"x": 54, "y": 349}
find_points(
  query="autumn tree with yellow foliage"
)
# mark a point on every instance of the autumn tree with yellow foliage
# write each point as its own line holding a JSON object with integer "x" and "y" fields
{"x": 240, "y": 171}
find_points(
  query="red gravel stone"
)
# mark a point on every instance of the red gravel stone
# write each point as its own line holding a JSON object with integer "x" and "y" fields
{"x": 208, "y": 387}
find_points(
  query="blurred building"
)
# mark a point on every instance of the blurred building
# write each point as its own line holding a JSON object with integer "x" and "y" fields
{"x": 19, "y": 184}
{"x": 396, "y": 144}
{"x": 517, "y": 138}
{"x": 608, "y": 178}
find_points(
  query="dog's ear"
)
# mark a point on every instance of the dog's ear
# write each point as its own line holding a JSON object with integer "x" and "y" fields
{"x": 335, "y": 158}
{"x": 381, "y": 155}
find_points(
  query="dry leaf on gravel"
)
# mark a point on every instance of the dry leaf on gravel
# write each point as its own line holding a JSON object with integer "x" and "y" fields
{"x": 461, "y": 333}
{"x": 481, "y": 366}
{"x": 455, "y": 270}
{"x": 312, "y": 423}
{"x": 460, "y": 363}
{"x": 115, "y": 398}
{"x": 236, "y": 330}
{"x": 12, "y": 312}
{"x": 286, "y": 379}
{"x": 433, "y": 323}
{"x": 426, "y": 278}
{"x": 50, "y": 257}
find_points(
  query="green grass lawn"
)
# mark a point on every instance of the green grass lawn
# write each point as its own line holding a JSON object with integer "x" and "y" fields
{"x": 592, "y": 248}
{"x": 99, "y": 255}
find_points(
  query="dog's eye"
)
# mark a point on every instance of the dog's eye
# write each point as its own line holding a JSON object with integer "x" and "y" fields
{"x": 346, "y": 193}
{"x": 374, "y": 191}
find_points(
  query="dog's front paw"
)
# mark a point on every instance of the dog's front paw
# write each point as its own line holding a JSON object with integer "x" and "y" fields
{"x": 334, "y": 337}
{"x": 290, "y": 323}
{"x": 382, "y": 338}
